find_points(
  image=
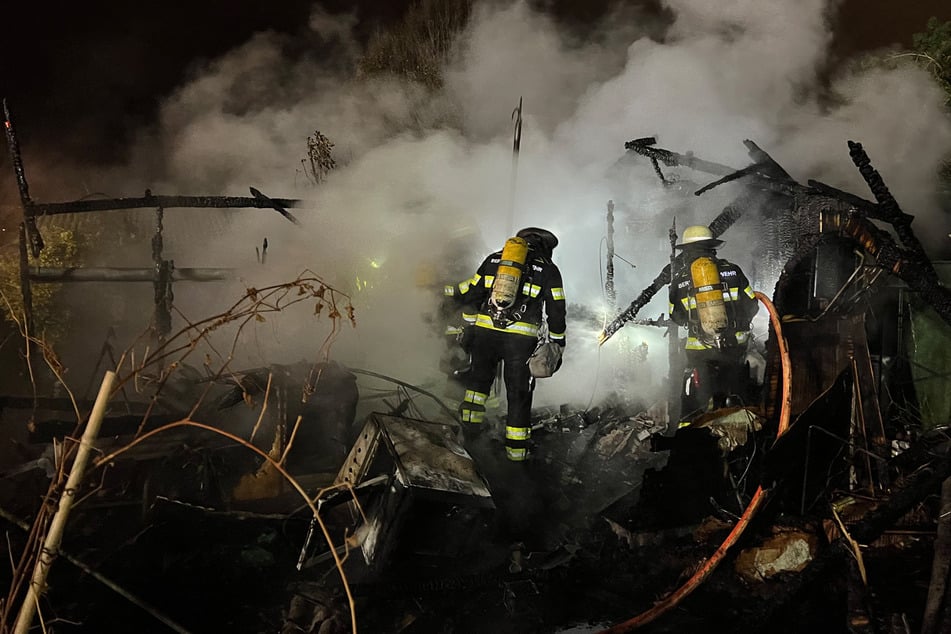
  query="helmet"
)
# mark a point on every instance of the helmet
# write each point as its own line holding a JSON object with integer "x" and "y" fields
{"x": 698, "y": 235}
{"x": 539, "y": 238}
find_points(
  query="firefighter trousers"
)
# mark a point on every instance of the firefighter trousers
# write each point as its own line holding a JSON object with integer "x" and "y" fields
{"x": 489, "y": 347}
{"x": 716, "y": 375}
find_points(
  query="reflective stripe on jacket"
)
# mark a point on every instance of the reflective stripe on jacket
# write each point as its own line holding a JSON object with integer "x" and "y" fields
{"x": 541, "y": 297}
{"x": 738, "y": 298}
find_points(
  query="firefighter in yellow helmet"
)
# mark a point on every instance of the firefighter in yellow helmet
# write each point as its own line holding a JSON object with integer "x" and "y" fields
{"x": 713, "y": 300}
{"x": 516, "y": 291}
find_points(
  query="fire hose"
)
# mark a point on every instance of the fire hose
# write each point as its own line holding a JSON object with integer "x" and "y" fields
{"x": 707, "y": 567}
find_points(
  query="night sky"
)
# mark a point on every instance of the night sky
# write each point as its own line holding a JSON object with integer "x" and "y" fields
{"x": 81, "y": 76}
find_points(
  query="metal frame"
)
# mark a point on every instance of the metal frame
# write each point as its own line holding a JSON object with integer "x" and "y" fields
{"x": 426, "y": 467}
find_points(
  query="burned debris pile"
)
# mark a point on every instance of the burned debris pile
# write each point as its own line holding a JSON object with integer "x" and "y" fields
{"x": 295, "y": 497}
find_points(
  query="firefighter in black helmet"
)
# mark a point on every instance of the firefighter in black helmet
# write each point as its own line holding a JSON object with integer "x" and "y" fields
{"x": 515, "y": 289}
{"x": 713, "y": 300}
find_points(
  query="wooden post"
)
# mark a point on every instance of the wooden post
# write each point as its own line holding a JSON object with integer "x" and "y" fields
{"x": 675, "y": 354}
{"x": 29, "y": 213}
{"x": 58, "y": 525}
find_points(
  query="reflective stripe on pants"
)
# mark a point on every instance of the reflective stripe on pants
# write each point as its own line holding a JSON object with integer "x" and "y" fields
{"x": 516, "y": 454}
{"x": 489, "y": 347}
{"x": 472, "y": 408}
{"x": 516, "y": 442}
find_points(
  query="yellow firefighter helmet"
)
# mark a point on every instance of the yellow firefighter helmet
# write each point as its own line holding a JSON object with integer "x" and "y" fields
{"x": 698, "y": 235}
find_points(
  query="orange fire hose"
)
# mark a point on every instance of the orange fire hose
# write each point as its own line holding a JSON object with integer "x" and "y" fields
{"x": 708, "y": 566}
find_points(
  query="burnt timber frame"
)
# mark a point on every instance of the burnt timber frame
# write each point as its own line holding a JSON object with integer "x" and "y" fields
{"x": 161, "y": 275}
{"x": 833, "y": 212}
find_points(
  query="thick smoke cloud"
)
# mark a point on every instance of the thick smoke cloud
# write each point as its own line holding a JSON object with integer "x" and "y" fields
{"x": 416, "y": 168}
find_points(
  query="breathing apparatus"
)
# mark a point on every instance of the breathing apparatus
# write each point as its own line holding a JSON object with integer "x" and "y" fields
{"x": 508, "y": 281}
{"x": 707, "y": 288}
{"x": 711, "y": 308}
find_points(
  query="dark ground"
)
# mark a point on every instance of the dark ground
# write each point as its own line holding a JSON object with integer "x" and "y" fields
{"x": 214, "y": 571}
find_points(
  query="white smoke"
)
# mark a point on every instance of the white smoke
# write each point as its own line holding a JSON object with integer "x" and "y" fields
{"x": 721, "y": 73}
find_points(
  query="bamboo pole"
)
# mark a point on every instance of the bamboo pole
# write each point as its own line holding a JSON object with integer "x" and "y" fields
{"x": 58, "y": 524}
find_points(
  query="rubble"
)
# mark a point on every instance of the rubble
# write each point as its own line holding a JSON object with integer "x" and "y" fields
{"x": 786, "y": 551}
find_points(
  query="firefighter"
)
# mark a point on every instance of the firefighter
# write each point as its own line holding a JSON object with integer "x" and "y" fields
{"x": 712, "y": 299}
{"x": 450, "y": 321}
{"x": 515, "y": 289}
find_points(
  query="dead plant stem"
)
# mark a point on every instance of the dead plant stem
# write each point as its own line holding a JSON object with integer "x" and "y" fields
{"x": 267, "y": 392}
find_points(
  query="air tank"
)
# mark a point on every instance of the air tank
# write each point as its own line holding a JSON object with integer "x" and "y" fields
{"x": 508, "y": 276}
{"x": 711, "y": 308}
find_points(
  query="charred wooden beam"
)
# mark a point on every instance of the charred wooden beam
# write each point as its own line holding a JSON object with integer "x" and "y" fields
{"x": 45, "y": 403}
{"x": 738, "y": 174}
{"x": 15, "y": 158}
{"x": 275, "y": 205}
{"x": 768, "y": 173}
{"x": 765, "y": 170}
{"x": 721, "y": 223}
{"x": 119, "y": 274}
{"x": 865, "y": 206}
{"x": 126, "y": 425}
{"x": 165, "y": 202}
{"x": 889, "y": 206}
{"x": 29, "y": 213}
{"x": 645, "y": 147}
{"x": 931, "y": 444}
{"x": 916, "y": 487}
{"x": 768, "y": 164}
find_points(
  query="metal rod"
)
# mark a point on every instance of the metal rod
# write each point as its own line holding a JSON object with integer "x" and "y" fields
{"x": 859, "y": 401}
{"x": 445, "y": 408}
{"x": 609, "y": 290}
{"x": 516, "y": 147}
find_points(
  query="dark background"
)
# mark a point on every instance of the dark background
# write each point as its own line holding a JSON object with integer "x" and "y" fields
{"x": 81, "y": 76}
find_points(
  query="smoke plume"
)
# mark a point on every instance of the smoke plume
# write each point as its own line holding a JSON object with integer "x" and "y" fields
{"x": 417, "y": 166}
